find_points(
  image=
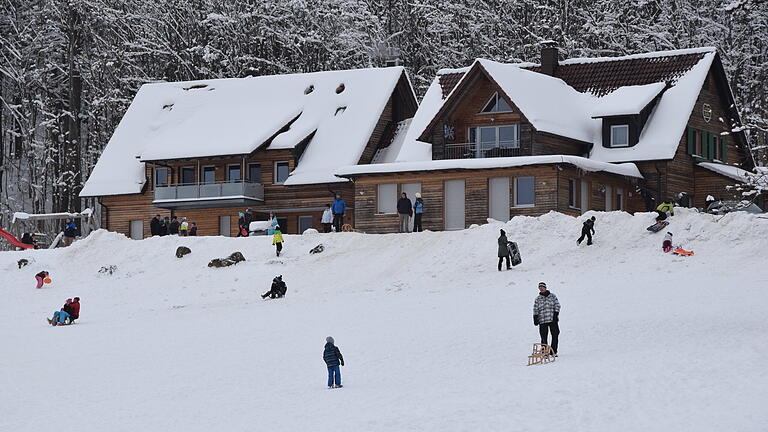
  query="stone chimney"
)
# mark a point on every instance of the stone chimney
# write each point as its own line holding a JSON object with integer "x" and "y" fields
{"x": 549, "y": 57}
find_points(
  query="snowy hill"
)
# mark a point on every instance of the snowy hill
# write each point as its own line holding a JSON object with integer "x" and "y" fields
{"x": 434, "y": 337}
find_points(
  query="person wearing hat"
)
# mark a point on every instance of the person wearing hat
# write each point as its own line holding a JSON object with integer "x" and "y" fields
{"x": 74, "y": 310}
{"x": 546, "y": 311}
{"x": 418, "y": 212}
{"x": 404, "y": 210}
{"x": 587, "y": 230}
{"x": 60, "y": 316}
{"x": 277, "y": 239}
{"x": 277, "y": 290}
{"x": 503, "y": 249}
{"x": 333, "y": 359}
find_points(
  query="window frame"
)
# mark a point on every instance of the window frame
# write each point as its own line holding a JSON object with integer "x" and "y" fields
{"x": 516, "y": 196}
{"x": 573, "y": 194}
{"x": 620, "y": 126}
{"x": 250, "y": 164}
{"x": 497, "y": 131}
{"x": 167, "y": 177}
{"x": 495, "y": 97}
{"x": 240, "y": 167}
{"x": 275, "y": 169}
{"x": 379, "y": 200}
{"x": 203, "y": 169}
{"x": 181, "y": 175}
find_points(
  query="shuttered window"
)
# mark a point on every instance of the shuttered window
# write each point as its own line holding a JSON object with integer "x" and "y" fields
{"x": 724, "y": 151}
{"x": 704, "y": 144}
{"x": 691, "y": 141}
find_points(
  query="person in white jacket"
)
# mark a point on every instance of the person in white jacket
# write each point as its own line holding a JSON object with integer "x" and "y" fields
{"x": 327, "y": 219}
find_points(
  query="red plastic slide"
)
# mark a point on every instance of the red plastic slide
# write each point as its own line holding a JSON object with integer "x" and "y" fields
{"x": 13, "y": 240}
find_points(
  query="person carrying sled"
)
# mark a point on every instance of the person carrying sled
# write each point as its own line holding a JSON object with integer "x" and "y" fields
{"x": 666, "y": 246}
{"x": 587, "y": 230}
{"x": 546, "y": 311}
{"x": 277, "y": 290}
{"x": 333, "y": 359}
{"x": 40, "y": 278}
{"x": 277, "y": 240}
{"x": 664, "y": 208}
{"x": 60, "y": 317}
{"x": 503, "y": 250}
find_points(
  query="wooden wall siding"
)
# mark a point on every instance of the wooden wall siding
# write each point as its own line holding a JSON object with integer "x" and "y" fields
{"x": 709, "y": 94}
{"x": 598, "y": 181}
{"x": 710, "y": 183}
{"x": 548, "y": 144}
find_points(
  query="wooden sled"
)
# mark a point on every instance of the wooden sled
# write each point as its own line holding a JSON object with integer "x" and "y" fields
{"x": 346, "y": 228}
{"x": 542, "y": 353}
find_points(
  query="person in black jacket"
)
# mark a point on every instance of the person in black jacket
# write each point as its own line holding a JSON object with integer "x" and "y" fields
{"x": 164, "y": 226}
{"x": 503, "y": 249}
{"x": 154, "y": 225}
{"x": 587, "y": 230}
{"x": 173, "y": 228}
{"x": 333, "y": 359}
{"x": 277, "y": 290}
{"x": 404, "y": 210}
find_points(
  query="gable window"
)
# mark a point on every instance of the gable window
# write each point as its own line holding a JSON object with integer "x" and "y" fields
{"x": 209, "y": 174}
{"x": 187, "y": 175}
{"x": 620, "y": 136}
{"x": 572, "y": 194}
{"x": 281, "y": 172}
{"x": 233, "y": 173}
{"x": 496, "y": 104}
{"x": 488, "y": 138}
{"x": 161, "y": 177}
{"x": 524, "y": 192}
{"x": 254, "y": 173}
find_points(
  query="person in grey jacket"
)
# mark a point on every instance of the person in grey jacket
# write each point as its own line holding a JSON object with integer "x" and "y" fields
{"x": 503, "y": 249}
{"x": 546, "y": 311}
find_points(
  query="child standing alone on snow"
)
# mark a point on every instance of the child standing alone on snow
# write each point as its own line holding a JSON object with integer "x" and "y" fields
{"x": 277, "y": 239}
{"x": 333, "y": 359}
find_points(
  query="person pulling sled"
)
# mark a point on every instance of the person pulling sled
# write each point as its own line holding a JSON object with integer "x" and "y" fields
{"x": 277, "y": 290}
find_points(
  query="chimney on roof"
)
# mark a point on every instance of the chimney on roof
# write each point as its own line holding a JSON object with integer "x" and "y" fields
{"x": 549, "y": 57}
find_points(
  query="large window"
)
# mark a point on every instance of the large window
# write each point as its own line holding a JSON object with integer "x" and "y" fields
{"x": 254, "y": 172}
{"x": 187, "y": 175}
{"x": 233, "y": 173}
{"x": 281, "y": 172}
{"x": 524, "y": 192}
{"x": 161, "y": 177}
{"x": 496, "y": 104}
{"x": 208, "y": 176}
{"x": 573, "y": 199}
{"x": 488, "y": 137}
{"x": 620, "y": 136}
{"x": 386, "y": 199}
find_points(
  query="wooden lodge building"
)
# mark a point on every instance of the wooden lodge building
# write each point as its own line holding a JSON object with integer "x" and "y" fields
{"x": 491, "y": 140}
{"x": 497, "y": 140}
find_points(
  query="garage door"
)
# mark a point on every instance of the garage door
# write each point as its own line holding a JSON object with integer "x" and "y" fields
{"x": 454, "y": 205}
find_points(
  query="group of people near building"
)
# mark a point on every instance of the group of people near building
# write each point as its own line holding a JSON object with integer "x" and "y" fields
{"x": 172, "y": 226}
{"x": 333, "y": 215}
{"x": 407, "y": 209}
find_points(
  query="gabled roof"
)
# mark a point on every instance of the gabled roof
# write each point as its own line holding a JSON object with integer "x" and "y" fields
{"x": 222, "y": 117}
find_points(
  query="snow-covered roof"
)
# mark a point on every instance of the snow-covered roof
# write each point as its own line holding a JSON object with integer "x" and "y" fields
{"x": 648, "y": 55}
{"x": 625, "y": 169}
{"x": 736, "y": 173}
{"x": 627, "y": 100}
{"x": 235, "y": 116}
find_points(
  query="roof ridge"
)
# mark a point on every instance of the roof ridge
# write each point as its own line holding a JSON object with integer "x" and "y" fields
{"x": 652, "y": 54}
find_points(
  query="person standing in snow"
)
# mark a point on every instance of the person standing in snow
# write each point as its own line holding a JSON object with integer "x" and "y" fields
{"x": 40, "y": 278}
{"x": 708, "y": 202}
{"x": 503, "y": 249}
{"x": 683, "y": 199}
{"x": 664, "y": 208}
{"x": 418, "y": 212}
{"x": 272, "y": 223}
{"x": 247, "y": 219}
{"x": 277, "y": 290}
{"x": 327, "y": 219}
{"x": 173, "y": 228}
{"x": 546, "y": 314}
{"x": 338, "y": 207}
{"x": 587, "y": 230}
{"x": 193, "y": 229}
{"x": 70, "y": 231}
{"x": 184, "y": 227}
{"x": 333, "y": 360}
{"x": 277, "y": 240}
{"x": 242, "y": 231}
{"x": 154, "y": 225}
{"x": 404, "y": 210}
{"x": 164, "y": 224}
{"x": 666, "y": 246}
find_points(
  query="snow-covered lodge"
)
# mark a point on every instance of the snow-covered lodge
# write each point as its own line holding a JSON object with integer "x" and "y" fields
{"x": 489, "y": 140}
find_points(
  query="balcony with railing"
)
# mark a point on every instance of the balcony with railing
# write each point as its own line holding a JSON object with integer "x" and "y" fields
{"x": 482, "y": 150}
{"x": 215, "y": 194}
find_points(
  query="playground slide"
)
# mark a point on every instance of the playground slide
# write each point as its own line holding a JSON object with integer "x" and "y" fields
{"x": 13, "y": 240}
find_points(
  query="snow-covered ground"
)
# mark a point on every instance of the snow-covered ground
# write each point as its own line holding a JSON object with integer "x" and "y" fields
{"x": 434, "y": 337}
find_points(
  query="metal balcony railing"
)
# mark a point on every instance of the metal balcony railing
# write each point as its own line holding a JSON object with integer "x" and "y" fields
{"x": 482, "y": 150}
{"x": 218, "y": 190}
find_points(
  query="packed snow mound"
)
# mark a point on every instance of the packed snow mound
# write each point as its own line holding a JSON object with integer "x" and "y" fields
{"x": 423, "y": 320}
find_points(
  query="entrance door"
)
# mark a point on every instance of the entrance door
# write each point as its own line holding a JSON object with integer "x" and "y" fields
{"x": 608, "y": 198}
{"x": 305, "y": 223}
{"x": 498, "y": 197}
{"x": 411, "y": 189}
{"x": 137, "y": 229}
{"x": 584, "y": 196}
{"x": 454, "y": 205}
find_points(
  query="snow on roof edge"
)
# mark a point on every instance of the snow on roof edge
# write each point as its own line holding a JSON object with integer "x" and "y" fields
{"x": 653, "y": 54}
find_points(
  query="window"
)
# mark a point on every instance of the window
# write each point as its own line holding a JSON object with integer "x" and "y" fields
{"x": 305, "y": 223}
{"x": 161, "y": 177}
{"x": 187, "y": 175}
{"x": 716, "y": 147}
{"x": 386, "y": 199}
{"x": 496, "y": 104}
{"x": 573, "y": 198}
{"x": 208, "y": 176}
{"x": 524, "y": 192}
{"x": 488, "y": 137}
{"x": 281, "y": 172}
{"x": 254, "y": 172}
{"x": 233, "y": 173}
{"x": 620, "y": 136}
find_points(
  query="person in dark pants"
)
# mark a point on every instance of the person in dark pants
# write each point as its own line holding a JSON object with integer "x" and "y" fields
{"x": 154, "y": 225}
{"x": 277, "y": 240}
{"x": 404, "y": 210}
{"x": 418, "y": 212}
{"x": 503, "y": 249}
{"x": 333, "y": 359}
{"x": 664, "y": 208}
{"x": 173, "y": 228}
{"x": 587, "y": 230}
{"x": 546, "y": 314}
{"x": 338, "y": 207}
{"x": 327, "y": 219}
{"x": 164, "y": 224}
{"x": 193, "y": 229}
{"x": 277, "y": 290}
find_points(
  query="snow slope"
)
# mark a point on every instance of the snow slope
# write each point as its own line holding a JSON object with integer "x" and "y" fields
{"x": 433, "y": 336}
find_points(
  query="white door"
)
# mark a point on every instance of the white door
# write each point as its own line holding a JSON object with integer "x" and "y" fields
{"x": 454, "y": 205}
{"x": 137, "y": 229}
{"x": 224, "y": 226}
{"x": 411, "y": 189}
{"x": 608, "y": 198}
{"x": 498, "y": 197}
{"x": 584, "y": 196}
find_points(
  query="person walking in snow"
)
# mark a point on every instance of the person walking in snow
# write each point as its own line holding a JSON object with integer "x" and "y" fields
{"x": 40, "y": 278}
{"x": 664, "y": 208}
{"x": 418, "y": 212}
{"x": 333, "y": 360}
{"x": 327, "y": 219}
{"x": 404, "y": 210}
{"x": 154, "y": 225}
{"x": 587, "y": 230}
{"x": 277, "y": 290}
{"x": 666, "y": 246}
{"x": 503, "y": 249}
{"x": 277, "y": 240}
{"x": 70, "y": 231}
{"x": 60, "y": 317}
{"x": 338, "y": 207}
{"x": 193, "y": 229}
{"x": 546, "y": 314}
{"x": 173, "y": 228}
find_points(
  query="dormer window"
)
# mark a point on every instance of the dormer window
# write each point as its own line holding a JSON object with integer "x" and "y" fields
{"x": 496, "y": 104}
{"x": 620, "y": 135}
